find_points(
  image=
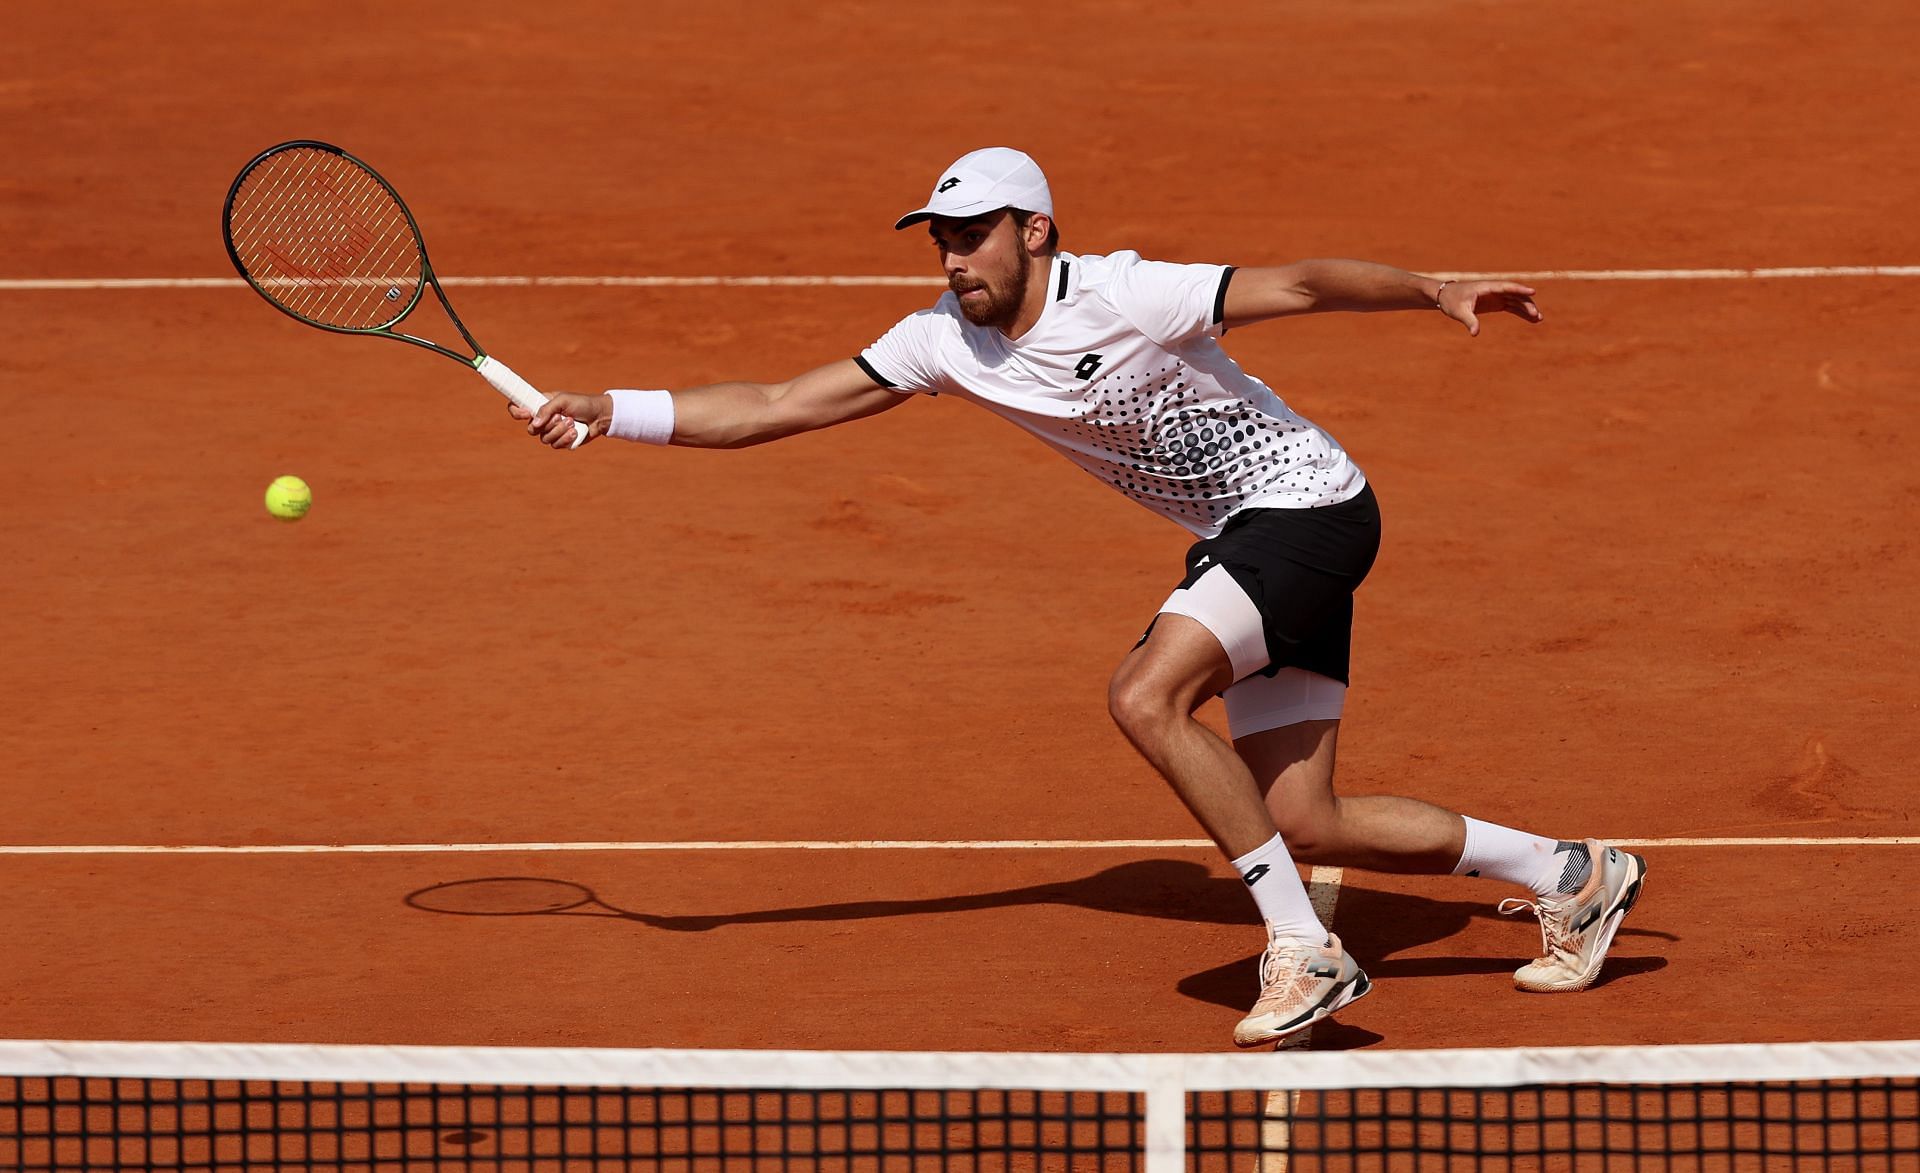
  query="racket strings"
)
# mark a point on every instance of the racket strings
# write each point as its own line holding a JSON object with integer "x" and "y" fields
{"x": 325, "y": 240}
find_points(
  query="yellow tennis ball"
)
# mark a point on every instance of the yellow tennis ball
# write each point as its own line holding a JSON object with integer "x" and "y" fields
{"x": 288, "y": 498}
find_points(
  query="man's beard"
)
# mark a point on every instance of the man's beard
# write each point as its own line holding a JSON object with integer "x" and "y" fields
{"x": 998, "y": 308}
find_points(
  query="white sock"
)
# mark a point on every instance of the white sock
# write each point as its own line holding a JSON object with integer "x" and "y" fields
{"x": 1546, "y": 867}
{"x": 1276, "y": 887}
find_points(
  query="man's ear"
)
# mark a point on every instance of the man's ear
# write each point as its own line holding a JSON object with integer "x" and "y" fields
{"x": 1034, "y": 236}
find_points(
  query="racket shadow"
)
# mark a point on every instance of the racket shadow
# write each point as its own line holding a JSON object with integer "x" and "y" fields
{"x": 521, "y": 896}
{"x": 1164, "y": 889}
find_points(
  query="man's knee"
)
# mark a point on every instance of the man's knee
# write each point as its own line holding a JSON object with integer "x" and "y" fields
{"x": 1307, "y": 828}
{"x": 1135, "y": 702}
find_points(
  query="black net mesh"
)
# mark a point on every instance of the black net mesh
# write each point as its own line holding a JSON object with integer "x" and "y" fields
{"x": 74, "y": 1123}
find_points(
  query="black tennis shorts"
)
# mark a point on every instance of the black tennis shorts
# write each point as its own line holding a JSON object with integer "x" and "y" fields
{"x": 1300, "y": 567}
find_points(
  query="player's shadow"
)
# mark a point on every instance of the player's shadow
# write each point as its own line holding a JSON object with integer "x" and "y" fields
{"x": 1162, "y": 888}
{"x": 1375, "y": 925}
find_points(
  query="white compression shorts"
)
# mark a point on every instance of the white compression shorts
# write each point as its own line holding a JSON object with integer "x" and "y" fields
{"x": 1288, "y": 697}
{"x": 1255, "y": 703}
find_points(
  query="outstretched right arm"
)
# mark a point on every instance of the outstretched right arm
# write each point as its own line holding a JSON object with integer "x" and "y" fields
{"x": 731, "y": 415}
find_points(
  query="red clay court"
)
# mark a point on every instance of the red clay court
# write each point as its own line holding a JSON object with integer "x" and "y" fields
{"x": 1650, "y": 570}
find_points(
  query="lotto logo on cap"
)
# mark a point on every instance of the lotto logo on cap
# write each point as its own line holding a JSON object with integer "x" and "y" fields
{"x": 985, "y": 181}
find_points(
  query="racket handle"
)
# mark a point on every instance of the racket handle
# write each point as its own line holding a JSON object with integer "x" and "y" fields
{"x": 520, "y": 391}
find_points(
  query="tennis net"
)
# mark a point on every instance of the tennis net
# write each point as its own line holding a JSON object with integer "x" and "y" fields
{"x": 93, "y": 1106}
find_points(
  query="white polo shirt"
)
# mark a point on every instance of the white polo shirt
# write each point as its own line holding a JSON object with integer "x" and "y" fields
{"x": 1124, "y": 375}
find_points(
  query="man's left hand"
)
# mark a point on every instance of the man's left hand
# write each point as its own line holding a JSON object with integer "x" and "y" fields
{"x": 1464, "y": 301}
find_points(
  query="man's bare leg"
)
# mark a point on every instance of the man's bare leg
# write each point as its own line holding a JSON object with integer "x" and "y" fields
{"x": 1293, "y": 767}
{"x": 1153, "y": 697}
{"x": 1582, "y": 890}
{"x": 1305, "y": 974}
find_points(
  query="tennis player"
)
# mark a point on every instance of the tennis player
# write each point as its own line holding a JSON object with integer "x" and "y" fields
{"x": 1116, "y": 363}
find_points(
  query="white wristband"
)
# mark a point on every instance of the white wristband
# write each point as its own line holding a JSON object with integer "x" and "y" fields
{"x": 646, "y": 416}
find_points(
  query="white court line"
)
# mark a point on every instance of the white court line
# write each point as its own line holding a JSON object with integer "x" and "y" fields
{"x": 30, "y": 284}
{"x": 670, "y": 845}
{"x": 812, "y": 845}
{"x": 1835, "y": 841}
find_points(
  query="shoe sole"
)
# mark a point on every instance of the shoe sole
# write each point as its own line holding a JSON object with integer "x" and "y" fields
{"x": 1357, "y": 989}
{"x": 1628, "y": 897}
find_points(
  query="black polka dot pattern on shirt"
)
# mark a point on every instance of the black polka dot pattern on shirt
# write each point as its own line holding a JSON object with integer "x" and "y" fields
{"x": 1160, "y": 445}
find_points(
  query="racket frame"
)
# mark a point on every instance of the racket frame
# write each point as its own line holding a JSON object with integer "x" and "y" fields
{"x": 427, "y": 277}
{"x": 502, "y": 377}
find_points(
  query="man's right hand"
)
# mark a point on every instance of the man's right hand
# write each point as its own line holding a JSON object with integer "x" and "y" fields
{"x": 550, "y": 424}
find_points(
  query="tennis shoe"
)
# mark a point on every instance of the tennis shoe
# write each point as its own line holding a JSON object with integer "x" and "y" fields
{"x": 1576, "y": 929}
{"x": 1299, "y": 985}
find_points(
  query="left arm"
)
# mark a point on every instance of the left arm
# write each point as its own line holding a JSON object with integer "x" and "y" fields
{"x": 1309, "y": 287}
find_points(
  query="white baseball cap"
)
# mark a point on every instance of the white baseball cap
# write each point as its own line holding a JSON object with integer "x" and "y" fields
{"x": 985, "y": 181}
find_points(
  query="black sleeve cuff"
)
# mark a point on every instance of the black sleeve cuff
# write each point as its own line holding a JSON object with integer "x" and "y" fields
{"x": 1220, "y": 296}
{"x": 873, "y": 374}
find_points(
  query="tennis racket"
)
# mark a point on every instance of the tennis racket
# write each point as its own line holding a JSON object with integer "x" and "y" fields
{"x": 325, "y": 239}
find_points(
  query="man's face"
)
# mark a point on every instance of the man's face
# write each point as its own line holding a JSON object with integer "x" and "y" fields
{"x": 986, "y": 265}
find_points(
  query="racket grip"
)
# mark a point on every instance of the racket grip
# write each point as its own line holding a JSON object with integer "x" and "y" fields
{"x": 523, "y": 393}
